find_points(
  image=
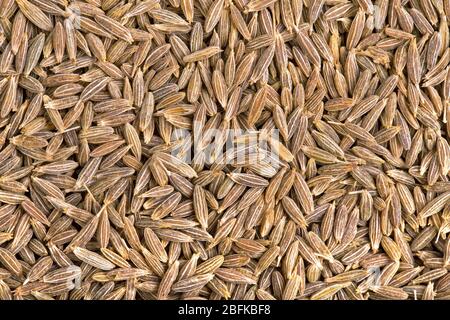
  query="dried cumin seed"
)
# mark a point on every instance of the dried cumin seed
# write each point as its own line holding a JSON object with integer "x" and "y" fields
{"x": 390, "y": 293}
{"x": 192, "y": 283}
{"x": 235, "y": 276}
{"x": 93, "y": 259}
{"x": 168, "y": 280}
{"x": 62, "y": 275}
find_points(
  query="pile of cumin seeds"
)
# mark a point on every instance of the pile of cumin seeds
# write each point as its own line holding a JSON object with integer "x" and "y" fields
{"x": 224, "y": 149}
